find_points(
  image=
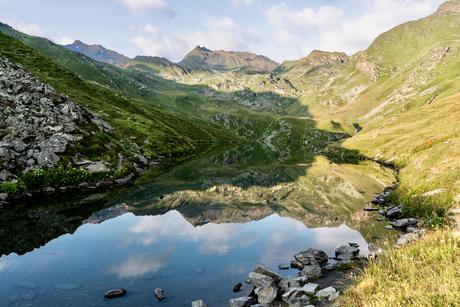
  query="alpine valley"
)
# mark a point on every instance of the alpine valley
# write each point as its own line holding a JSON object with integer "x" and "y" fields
{"x": 176, "y": 180}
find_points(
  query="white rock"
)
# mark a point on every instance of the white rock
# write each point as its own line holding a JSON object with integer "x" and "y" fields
{"x": 326, "y": 292}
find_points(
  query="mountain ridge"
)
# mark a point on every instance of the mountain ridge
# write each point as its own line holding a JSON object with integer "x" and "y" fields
{"x": 99, "y": 53}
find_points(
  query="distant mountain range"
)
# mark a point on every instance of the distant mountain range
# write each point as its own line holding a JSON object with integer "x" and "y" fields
{"x": 99, "y": 53}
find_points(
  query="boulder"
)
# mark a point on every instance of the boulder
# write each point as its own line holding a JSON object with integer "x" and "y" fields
{"x": 310, "y": 256}
{"x": 47, "y": 157}
{"x": 312, "y": 271}
{"x": 266, "y": 295}
{"x": 402, "y": 223}
{"x": 115, "y": 293}
{"x": 96, "y": 167}
{"x": 310, "y": 288}
{"x": 326, "y": 292}
{"x": 394, "y": 212}
{"x": 263, "y": 270}
{"x": 259, "y": 280}
{"x": 346, "y": 252}
{"x": 296, "y": 297}
{"x": 5, "y": 175}
{"x": 199, "y": 303}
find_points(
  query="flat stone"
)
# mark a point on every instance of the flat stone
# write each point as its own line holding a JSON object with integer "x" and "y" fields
{"x": 370, "y": 209}
{"x": 394, "y": 212}
{"x": 310, "y": 288}
{"x": 284, "y": 266}
{"x": 326, "y": 292}
{"x": 401, "y": 223}
{"x": 263, "y": 270}
{"x": 241, "y": 301}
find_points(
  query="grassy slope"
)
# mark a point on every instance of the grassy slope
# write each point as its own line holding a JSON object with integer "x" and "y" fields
{"x": 410, "y": 116}
{"x": 165, "y": 133}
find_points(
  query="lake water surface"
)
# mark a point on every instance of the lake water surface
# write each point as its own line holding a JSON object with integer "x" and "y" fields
{"x": 195, "y": 232}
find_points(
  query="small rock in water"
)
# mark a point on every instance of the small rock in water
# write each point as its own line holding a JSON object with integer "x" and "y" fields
{"x": 159, "y": 294}
{"x": 115, "y": 293}
{"x": 199, "y": 303}
{"x": 284, "y": 266}
{"x": 237, "y": 287}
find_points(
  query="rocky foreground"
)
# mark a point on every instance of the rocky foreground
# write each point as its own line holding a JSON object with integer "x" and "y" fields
{"x": 40, "y": 129}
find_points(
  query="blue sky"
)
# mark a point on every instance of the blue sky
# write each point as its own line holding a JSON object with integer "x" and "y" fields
{"x": 280, "y": 29}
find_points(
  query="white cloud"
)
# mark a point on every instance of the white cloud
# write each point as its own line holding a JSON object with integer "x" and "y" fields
{"x": 139, "y": 265}
{"x": 63, "y": 40}
{"x": 243, "y": 2}
{"x": 160, "y": 6}
{"x": 214, "y": 33}
{"x": 27, "y": 28}
{"x": 332, "y": 29}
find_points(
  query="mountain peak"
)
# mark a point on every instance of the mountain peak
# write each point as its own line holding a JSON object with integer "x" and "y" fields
{"x": 98, "y": 53}
{"x": 318, "y": 57}
{"x": 451, "y": 7}
{"x": 201, "y": 49}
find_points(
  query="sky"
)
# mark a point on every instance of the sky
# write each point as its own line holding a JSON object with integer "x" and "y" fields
{"x": 279, "y": 29}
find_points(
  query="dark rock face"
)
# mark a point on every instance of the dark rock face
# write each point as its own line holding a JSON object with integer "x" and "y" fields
{"x": 38, "y": 124}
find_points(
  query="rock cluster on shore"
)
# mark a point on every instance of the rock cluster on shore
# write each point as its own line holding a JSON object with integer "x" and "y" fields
{"x": 36, "y": 122}
{"x": 409, "y": 227}
{"x": 269, "y": 287}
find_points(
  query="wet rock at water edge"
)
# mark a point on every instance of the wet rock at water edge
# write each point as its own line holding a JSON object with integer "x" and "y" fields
{"x": 311, "y": 256}
{"x": 347, "y": 252}
{"x": 115, "y": 293}
{"x": 244, "y": 301}
{"x": 402, "y": 223}
{"x": 159, "y": 294}
{"x": 259, "y": 280}
{"x": 312, "y": 271}
{"x": 199, "y": 303}
{"x": 237, "y": 287}
{"x": 266, "y": 295}
{"x": 284, "y": 266}
{"x": 264, "y": 271}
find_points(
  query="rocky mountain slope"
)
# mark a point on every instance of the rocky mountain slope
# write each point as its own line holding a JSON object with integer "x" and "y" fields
{"x": 158, "y": 65}
{"x": 99, "y": 53}
{"x": 202, "y": 58}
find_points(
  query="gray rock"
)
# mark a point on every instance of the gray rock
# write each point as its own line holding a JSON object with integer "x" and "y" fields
{"x": 47, "y": 157}
{"x": 296, "y": 297}
{"x": 266, "y": 295}
{"x": 346, "y": 252}
{"x": 312, "y": 271}
{"x": 5, "y": 175}
{"x": 245, "y": 301}
{"x": 96, "y": 167}
{"x": 407, "y": 238}
{"x": 310, "y": 288}
{"x": 199, "y": 303}
{"x": 326, "y": 292}
{"x": 284, "y": 266}
{"x": 3, "y": 197}
{"x": 402, "y": 223}
{"x": 263, "y": 270}
{"x": 260, "y": 280}
{"x": 310, "y": 256}
{"x": 394, "y": 212}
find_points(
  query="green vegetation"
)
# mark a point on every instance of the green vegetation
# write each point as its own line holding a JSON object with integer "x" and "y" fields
{"x": 422, "y": 274}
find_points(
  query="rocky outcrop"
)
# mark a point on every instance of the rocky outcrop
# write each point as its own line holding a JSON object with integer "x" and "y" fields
{"x": 202, "y": 58}
{"x": 37, "y": 124}
{"x": 451, "y": 7}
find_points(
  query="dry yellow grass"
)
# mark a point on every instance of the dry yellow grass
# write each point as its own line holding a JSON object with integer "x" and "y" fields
{"x": 426, "y": 273}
